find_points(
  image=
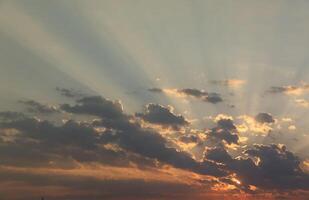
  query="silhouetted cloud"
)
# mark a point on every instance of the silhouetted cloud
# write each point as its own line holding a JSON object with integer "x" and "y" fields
{"x": 210, "y": 97}
{"x": 159, "y": 90}
{"x": 189, "y": 139}
{"x": 289, "y": 90}
{"x": 132, "y": 137}
{"x": 119, "y": 139}
{"x": 97, "y": 106}
{"x": 200, "y": 94}
{"x": 158, "y": 114}
{"x": 276, "y": 168}
{"x": 264, "y": 118}
{"x": 9, "y": 115}
{"x": 71, "y": 93}
{"x": 36, "y": 107}
{"x": 225, "y": 130}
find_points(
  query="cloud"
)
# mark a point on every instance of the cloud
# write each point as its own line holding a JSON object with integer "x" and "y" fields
{"x": 97, "y": 106}
{"x": 115, "y": 138}
{"x": 159, "y": 90}
{"x": 302, "y": 102}
{"x": 264, "y": 118}
{"x": 278, "y": 168}
{"x": 36, "y": 107}
{"x": 9, "y": 115}
{"x": 225, "y": 130}
{"x": 210, "y": 97}
{"x": 158, "y": 114}
{"x": 200, "y": 94}
{"x": 189, "y": 139}
{"x": 290, "y": 89}
{"x": 250, "y": 124}
{"x": 228, "y": 82}
{"x": 275, "y": 168}
{"x": 132, "y": 137}
{"x": 70, "y": 93}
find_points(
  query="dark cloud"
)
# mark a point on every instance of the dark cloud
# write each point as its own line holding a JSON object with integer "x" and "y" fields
{"x": 276, "y": 89}
{"x": 70, "y": 93}
{"x": 36, "y": 107}
{"x": 223, "y": 134}
{"x": 211, "y": 97}
{"x": 264, "y": 118}
{"x": 118, "y": 139}
{"x": 204, "y": 96}
{"x": 193, "y": 92}
{"x": 189, "y": 139}
{"x": 97, "y": 106}
{"x": 277, "y": 168}
{"x": 158, "y": 114}
{"x": 227, "y": 124}
{"x": 290, "y": 89}
{"x": 72, "y": 140}
{"x": 218, "y": 154}
{"x": 225, "y": 130}
{"x": 9, "y": 115}
{"x": 83, "y": 143}
{"x": 159, "y": 90}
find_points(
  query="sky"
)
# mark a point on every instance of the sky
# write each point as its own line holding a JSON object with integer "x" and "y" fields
{"x": 154, "y": 99}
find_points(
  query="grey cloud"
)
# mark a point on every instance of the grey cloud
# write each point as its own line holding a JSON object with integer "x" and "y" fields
{"x": 225, "y": 130}
{"x": 193, "y": 92}
{"x": 158, "y": 114}
{"x": 36, "y": 107}
{"x": 81, "y": 142}
{"x": 189, "y": 139}
{"x": 287, "y": 89}
{"x": 277, "y": 168}
{"x": 9, "y": 115}
{"x": 210, "y": 97}
{"x": 70, "y": 93}
{"x": 264, "y": 118}
{"x": 223, "y": 134}
{"x": 97, "y": 106}
{"x": 226, "y": 124}
{"x": 204, "y": 96}
{"x": 158, "y": 90}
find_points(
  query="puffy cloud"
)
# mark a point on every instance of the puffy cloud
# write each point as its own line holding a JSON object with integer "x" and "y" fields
{"x": 189, "y": 139}
{"x": 134, "y": 138}
{"x": 120, "y": 139}
{"x": 210, "y": 97}
{"x": 218, "y": 154}
{"x": 225, "y": 130}
{"x": 37, "y": 107}
{"x": 223, "y": 134}
{"x": 264, "y": 118}
{"x": 275, "y": 167}
{"x": 97, "y": 106}
{"x": 158, "y": 114}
